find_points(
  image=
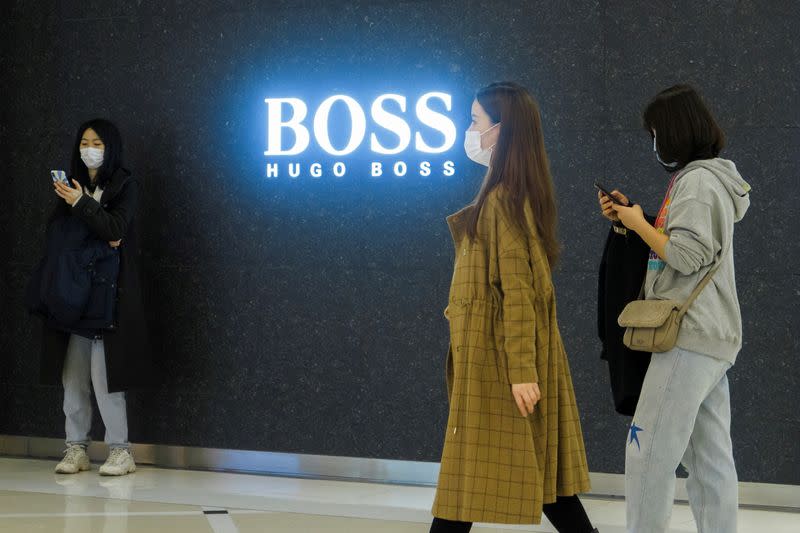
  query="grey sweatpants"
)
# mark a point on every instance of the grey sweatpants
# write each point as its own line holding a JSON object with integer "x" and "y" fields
{"x": 84, "y": 367}
{"x": 683, "y": 416}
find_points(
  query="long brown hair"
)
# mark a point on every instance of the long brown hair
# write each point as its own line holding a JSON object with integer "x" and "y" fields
{"x": 519, "y": 163}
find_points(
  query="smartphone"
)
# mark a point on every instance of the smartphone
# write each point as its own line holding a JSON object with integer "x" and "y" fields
{"x": 60, "y": 175}
{"x": 605, "y": 191}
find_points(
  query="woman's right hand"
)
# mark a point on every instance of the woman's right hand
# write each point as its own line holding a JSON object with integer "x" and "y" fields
{"x": 606, "y": 203}
{"x": 527, "y": 395}
{"x": 115, "y": 244}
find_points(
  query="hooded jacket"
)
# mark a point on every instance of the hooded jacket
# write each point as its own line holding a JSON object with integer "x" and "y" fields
{"x": 709, "y": 196}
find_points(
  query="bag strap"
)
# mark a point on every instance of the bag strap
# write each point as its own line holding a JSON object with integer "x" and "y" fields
{"x": 641, "y": 291}
{"x": 700, "y": 286}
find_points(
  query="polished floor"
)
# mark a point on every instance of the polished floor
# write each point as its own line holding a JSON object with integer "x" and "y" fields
{"x": 34, "y": 499}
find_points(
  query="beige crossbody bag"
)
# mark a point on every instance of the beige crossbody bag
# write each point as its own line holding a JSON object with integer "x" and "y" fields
{"x": 653, "y": 325}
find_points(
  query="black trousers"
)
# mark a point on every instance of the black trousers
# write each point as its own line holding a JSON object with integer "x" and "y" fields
{"x": 566, "y": 514}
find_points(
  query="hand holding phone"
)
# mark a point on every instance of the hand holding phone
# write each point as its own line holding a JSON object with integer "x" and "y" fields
{"x": 607, "y": 201}
{"x": 69, "y": 192}
{"x": 611, "y": 197}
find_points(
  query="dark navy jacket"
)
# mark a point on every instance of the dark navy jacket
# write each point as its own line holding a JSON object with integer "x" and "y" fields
{"x": 74, "y": 288}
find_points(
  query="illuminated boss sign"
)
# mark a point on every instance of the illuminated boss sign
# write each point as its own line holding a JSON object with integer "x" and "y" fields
{"x": 434, "y": 135}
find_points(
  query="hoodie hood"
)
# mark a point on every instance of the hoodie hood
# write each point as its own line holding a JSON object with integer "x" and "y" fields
{"x": 725, "y": 171}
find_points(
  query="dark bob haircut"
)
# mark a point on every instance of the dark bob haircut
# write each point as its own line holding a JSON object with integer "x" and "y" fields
{"x": 685, "y": 129}
{"x": 112, "y": 155}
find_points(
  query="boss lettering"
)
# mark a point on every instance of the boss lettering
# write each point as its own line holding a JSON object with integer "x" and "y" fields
{"x": 340, "y": 126}
{"x": 291, "y": 113}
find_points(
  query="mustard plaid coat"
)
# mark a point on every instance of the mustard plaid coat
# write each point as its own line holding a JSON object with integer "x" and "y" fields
{"x": 498, "y": 466}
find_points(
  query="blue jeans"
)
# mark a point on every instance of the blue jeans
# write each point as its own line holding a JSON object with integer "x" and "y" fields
{"x": 683, "y": 416}
{"x": 84, "y": 367}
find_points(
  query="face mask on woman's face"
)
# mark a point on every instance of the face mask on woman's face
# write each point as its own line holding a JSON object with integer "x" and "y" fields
{"x": 472, "y": 145}
{"x": 667, "y": 166}
{"x": 92, "y": 157}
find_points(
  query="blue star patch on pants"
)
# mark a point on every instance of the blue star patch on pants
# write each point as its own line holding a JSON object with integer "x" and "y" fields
{"x": 635, "y": 435}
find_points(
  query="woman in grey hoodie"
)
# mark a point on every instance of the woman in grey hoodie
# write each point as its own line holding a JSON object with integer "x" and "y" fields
{"x": 683, "y": 414}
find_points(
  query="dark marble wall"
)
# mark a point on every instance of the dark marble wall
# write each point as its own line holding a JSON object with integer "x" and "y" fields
{"x": 305, "y": 315}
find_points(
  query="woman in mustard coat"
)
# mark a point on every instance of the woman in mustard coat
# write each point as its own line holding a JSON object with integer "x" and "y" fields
{"x": 513, "y": 446}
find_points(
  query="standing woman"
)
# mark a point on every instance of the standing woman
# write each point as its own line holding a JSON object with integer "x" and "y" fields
{"x": 684, "y": 414}
{"x": 513, "y": 446}
{"x": 105, "y": 197}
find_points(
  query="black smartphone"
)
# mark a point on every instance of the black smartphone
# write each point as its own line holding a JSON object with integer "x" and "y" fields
{"x": 605, "y": 191}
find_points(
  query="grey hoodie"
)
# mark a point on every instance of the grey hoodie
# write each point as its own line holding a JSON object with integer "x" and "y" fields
{"x": 708, "y": 198}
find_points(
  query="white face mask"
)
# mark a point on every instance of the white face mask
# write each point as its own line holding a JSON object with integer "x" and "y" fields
{"x": 92, "y": 157}
{"x": 472, "y": 145}
{"x": 663, "y": 164}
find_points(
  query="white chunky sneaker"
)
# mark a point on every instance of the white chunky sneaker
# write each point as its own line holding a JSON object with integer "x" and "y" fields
{"x": 75, "y": 460}
{"x": 119, "y": 463}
